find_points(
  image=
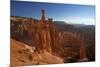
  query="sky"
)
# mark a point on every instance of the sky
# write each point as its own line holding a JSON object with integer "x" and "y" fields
{"x": 69, "y": 13}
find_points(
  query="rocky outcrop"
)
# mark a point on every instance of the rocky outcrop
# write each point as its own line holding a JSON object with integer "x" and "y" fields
{"x": 22, "y": 54}
{"x": 51, "y": 39}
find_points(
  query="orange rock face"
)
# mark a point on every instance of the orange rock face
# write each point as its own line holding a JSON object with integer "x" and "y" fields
{"x": 44, "y": 36}
{"x": 22, "y": 55}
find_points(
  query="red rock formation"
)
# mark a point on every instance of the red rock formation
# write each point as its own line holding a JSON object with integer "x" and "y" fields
{"x": 46, "y": 37}
{"x": 75, "y": 44}
{"x": 43, "y": 34}
{"x": 22, "y": 55}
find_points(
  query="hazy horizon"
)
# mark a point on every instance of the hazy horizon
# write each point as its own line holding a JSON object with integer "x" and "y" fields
{"x": 70, "y": 13}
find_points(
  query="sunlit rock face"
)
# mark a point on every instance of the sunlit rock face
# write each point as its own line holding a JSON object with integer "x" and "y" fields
{"x": 42, "y": 34}
{"x": 58, "y": 39}
{"x": 22, "y": 55}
